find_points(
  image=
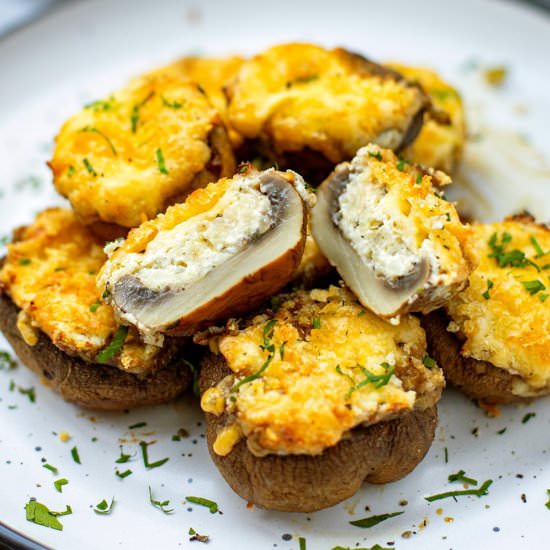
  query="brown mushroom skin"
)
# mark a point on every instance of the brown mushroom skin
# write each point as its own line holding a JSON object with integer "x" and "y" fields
{"x": 380, "y": 453}
{"x": 94, "y": 386}
{"x": 477, "y": 379}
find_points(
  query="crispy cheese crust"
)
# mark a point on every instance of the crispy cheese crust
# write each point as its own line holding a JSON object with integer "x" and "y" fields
{"x": 333, "y": 366}
{"x": 298, "y": 96}
{"x": 503, "y": 316}
{"x": 49, "y": 273}
{"x": 125, "y": 158}
{"x": 441, "y": 140}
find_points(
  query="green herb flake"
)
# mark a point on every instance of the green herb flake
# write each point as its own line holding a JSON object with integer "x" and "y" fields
{"x": 460, "y": 476}
{"x": 123, "y": 458}
{"x": 161, "y": 505}
{"x": 100, "y": 105}
{"x": 210, "y": 504}
{"x": 39, "y": 513}
{"x": 29, "y": 392}
{"x": 89, "y": 167}
{"x": 401, "y": 165}
{"x": 481, "y": 492}
{"x": 361, "y": 313}
{"x": 548, "y": 501}
{"x": 171, "y": 104}
{"x": 94, "y": 307}
{"x": 267, "y": 346}
{"x": 160, "y": 161}
{"x": 94, "y": 130}
{"x": 134, "y": 115}
{"x": 51, "y": 468}
{"x": 282, "y": 351}
{"x": 305, "y": 79}
{"x": 419, "y": 178}
{"x": 490, "y": 285}
{"x": 532, "y": 287}
{"x": 104, "y": 508}
{"x": 197, "y": 537}
{"x": 537, "y": 247}
{"x": 75, "y": 455}
{"x": 137, "y": 425}
{"x": 543, "y": 296}
{"x": 145, "y": 456}
{"x": 446, "y": 455}
{"x": 24, "y": 261}
{"x": 70, "y": 171}
{"x": 124, "y": 474}
{"x": 371, "y": 521}
{"x": 302, "y": 543}
{"x": 501, "y": 431}
{"x": 378, "y": 380}
{"x": 504, "y": 257}
{"x": 106, "y": 294}
{"x": 316, "y": 323}
{"x": 528, "y": 417}
{"x": 106, "y": 354}
{"x": 376, "y": 154}
{"x": 58, "y": 484}
{"x": 274, "y": 303}
{"x": 428, "y": 362}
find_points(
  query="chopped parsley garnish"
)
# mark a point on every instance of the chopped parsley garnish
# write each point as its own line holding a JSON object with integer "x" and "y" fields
{"x": 196, "y": 374}
{"x": 145, "y": 456}
{"x": 106, "y": 294}
{"x": 505, "y": 258}
{"x": 75, "y": 455}
{"x": 376, "y": 154}
{"x": 70, "y": 171}
{"x": 171, "y": 104}
{"x": 58, "y": 484}
{"x": 104, "y": 508}
{"x": 210, "y": 504}
{"x": 460, "y": 476}
{"x": 543, "y": 296}
{"x": 446, "y": 455}
{"x": 361, "y": 313}
{"x": 100, "y": 105}
{"x": 274, "y": 303}
{"x": 528, "y": 417}
{"x": 123, "y": 458}
{"x": 24, "y": 261}
{"x": 305, "y": 79}
{"x": 282, "y": 351}
{"x": 39, "y": 513}
{"x": 137, "y": 425}
{"x": 302, "y": 543}
{"x": 52, "y": 469}
{"x": 161, "y": 505}
{"x": 29, "y": 392}
{"x": 419, "y": 179}
{"x": 537, "y": 247}
{"x": 501, "y": 431}
{"x": 267, "y": 346}
{"x": 89, "y": 167}
{"x": 134, "y": 116}
{"x": 490, "y": 285}
{"x": 7, "y": 361}
{"x": 548, "y": 501}
{"x": 106, "y": 354}
{"x": 371, "y": 521}
{"x": 378, "y": 380}
{"x": 160, "y": 162}
{"x": 94, "y": 307}
{"x": 428, "y": 362}
{"x": 94, "y": 130}
{"x": 401, "y": 165}
{"x": 481, "y": 492}
{"x": 533, "y": 286}
{"x": 316, "y": 323}
{"x": 124, "y": 474}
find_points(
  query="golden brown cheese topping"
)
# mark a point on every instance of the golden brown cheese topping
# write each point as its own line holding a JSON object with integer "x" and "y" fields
{"x": 504, "y": 314}
{"x": 298, "y": 96}
{"x": 125, "y": 158}
{"x": 49, "y": 273}
{"x": 441, "y": 140}
{"x": 314, "y": 369}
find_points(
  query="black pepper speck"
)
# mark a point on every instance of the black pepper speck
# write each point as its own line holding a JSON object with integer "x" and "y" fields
{"x": 287, "y": 536}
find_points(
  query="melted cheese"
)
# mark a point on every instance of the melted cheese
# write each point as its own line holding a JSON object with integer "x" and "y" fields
{"x": 331, "y": 101}
{"x": 511, "y": 329}
{"x": 393, "y": 216}
{"x": 313, "y": 390}
{"x": 49, "y": 273}
{"x": 121, "y": 160}
{"x": 440, "y": 142}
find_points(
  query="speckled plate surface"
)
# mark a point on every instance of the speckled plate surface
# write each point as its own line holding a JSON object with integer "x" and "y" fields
{"x": 79, "y": 53}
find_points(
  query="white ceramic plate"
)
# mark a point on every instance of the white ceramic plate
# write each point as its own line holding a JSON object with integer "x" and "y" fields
{"x": 51, "y": 68}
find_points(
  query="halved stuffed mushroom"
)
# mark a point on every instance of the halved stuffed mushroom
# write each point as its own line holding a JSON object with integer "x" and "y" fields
{"x": 396, "y": 242}
{"x": 222, "y": 252}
